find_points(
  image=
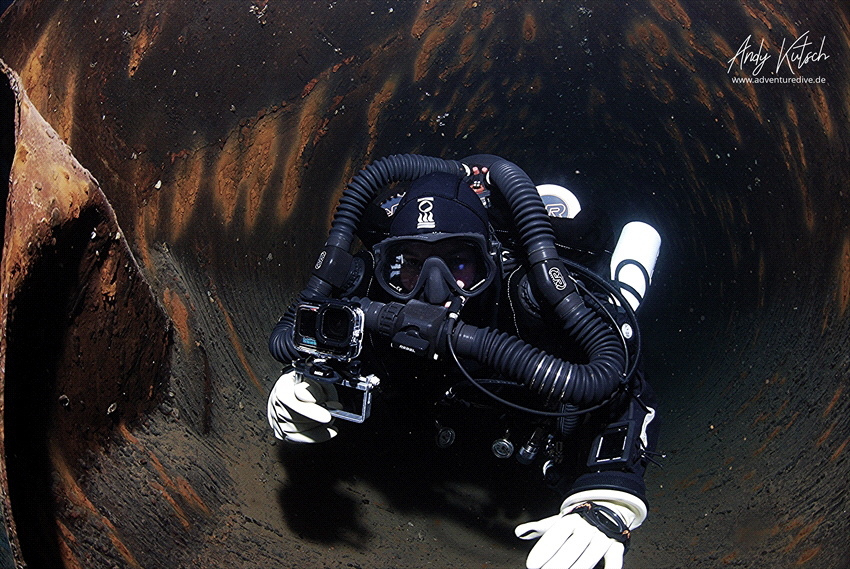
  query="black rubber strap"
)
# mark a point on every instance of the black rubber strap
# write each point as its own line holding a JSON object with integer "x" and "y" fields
{"x": 605, "y": 520}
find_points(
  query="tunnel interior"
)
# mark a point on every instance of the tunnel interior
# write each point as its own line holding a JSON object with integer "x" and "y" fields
{"x": 222, "y": 137}
{"x": 7, "y": 138}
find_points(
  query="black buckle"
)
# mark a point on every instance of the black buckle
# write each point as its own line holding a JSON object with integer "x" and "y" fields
{"x": 605, "y": 520}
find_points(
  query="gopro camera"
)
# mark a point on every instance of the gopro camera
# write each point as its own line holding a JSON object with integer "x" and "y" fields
{"x": 354, "y": 393}
{"x": 331, "y": 329}
{"x": 613, "y": 448}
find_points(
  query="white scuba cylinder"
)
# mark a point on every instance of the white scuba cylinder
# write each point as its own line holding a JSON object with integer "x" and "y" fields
{"x": 633, "y": 260}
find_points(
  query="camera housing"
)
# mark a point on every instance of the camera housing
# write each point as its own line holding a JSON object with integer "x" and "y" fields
{"x": 331, "y": 329}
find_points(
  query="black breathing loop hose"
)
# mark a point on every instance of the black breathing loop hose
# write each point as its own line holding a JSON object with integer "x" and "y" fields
{"x": 529, "y": 213}
{"x": 556, "y": 380}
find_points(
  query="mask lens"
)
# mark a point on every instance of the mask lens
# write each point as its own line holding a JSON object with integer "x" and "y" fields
{"x": 465, "y": 259}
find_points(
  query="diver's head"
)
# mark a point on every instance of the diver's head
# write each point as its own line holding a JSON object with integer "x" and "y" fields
{"x": 440, "y": 244}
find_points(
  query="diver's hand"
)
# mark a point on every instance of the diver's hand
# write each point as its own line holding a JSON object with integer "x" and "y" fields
{"x": 298, "y": 409}
{"x": 569, "y": 541}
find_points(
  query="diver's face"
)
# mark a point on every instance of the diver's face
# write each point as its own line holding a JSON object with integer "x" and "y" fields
{"x": 434, "y": 267}
{"x": 458, "y": 257}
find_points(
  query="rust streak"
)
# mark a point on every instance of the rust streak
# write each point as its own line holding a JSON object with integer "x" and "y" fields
{"x": 808, "y": 555}
{"x": 834, "y": 400}
{"x": 179, "y": 316}
{"x": 672, "y": 10}
{"x": 125, "y": 432}
{"x": 793, "y": 419}
{"x": 237, "y": 345}
{"x": 181, "y": 486}
{"x": 375, "y": 107}
{"x": 168, "y": 498}
{"x": 76, "y": 495}
{"x": 825, "y": 435}
{"x": 839, "y": 450}
{"x": 803, "y": 534}
{"x": 68, "y": 541}
{"x": 770, "y": 437}
{"x": 529, "y": 28}
{"x": 844, "y": 277}
{"x": 191, "y": 496}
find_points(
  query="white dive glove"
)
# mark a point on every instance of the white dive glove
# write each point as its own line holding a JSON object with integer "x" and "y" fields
{"x": 570, "y": 541}
{"x": 298, "y": 409}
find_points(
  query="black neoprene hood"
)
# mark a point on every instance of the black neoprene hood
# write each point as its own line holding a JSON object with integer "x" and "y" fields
{"x": 439, "y": 203}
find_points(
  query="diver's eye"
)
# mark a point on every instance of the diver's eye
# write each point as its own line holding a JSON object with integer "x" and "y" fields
{"x": 412, "y": 263}
{"x": 458, "y": 263}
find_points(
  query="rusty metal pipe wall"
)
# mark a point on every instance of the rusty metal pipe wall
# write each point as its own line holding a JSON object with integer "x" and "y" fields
{"x": 189, "y": 158}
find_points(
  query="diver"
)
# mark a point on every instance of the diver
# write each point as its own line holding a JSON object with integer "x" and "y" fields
{"x": 477, "y": 274}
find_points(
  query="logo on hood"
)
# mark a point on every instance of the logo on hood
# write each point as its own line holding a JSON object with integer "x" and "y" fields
{"x": 426, "y": 213}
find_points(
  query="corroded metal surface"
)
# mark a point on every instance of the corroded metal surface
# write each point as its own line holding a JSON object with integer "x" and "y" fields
{"x": 85, "y": 344}
{"x": 222, "y": 134}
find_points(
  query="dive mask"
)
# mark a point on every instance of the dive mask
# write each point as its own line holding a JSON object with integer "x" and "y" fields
{"x": 436, "y": 264}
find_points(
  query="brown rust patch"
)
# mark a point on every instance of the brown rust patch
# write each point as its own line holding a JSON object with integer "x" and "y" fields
{"x": 244, "y": 167}
{"x": 808, "y": 555}
{"x": 67, "y": 543}
{"x": 183, "y": 191}
{"x": 179, "y": 316}
{"x": 144, "y": 39}
{"x": 535, "y": 86}
{"x": 662, "y": 90}
{"x": 237, "y": 345}
{"x": 708, "y": 485}
{"x": 190, "y": 495}
{"x": 55, "y": 99}
{"x": 181, "y": 515}
{"x": 487, "y": 17}
{"x": 433, "y": 42}
{"x": 529, "y": 27}
{"x": 776, "y": 9}
{"x": 802, "y": 534}
{"x": 721, "y": 47}
{"x": 373, "y": 114}
{"x": 822, "y": 110}
{"x": 839, "y": 450}
{"x": 835, "y": 398}
{"x": 792, "y": 113}
{"x": 650, "y": 40}
{"x": 822, "y": 439}
{"x": 760, "y": 418}
{"x": 672, "y": 10}
{"x": 756, "y": 14}
{"x": 730, "y": 123}
{"x": 767, "y": 441}
{"x": 71, "y": 490}
{"x": 442, "y": 13}
{"x": 309, "y": 122}
{"x": 595, "y": 98}
{"x": 181, "y": 485}
{"x": 467, "y": 46}
{"x": 844, "y": 277}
